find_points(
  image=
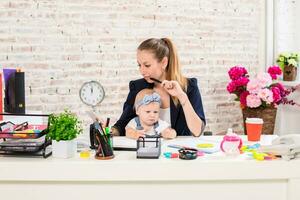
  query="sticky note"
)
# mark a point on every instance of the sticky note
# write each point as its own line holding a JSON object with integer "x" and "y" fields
{"x": 205, "y": 145}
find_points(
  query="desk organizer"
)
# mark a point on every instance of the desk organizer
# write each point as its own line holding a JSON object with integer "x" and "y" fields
{"x": 148, "y": 147}
{"x": 104, "y": 147}
{"x": 24, "y": 139}
{"x": 102, "y": 142}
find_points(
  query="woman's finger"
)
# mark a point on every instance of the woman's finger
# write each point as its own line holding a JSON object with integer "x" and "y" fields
{"x": 167, "y": 84}
{"x": 164, "y": 83}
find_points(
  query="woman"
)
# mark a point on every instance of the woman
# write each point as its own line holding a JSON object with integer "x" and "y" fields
{"x": 180, "y": 97}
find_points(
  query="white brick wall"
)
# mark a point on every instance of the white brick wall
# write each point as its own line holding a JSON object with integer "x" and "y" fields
{"x": 287, "y": 28}
{"x": 61, "y": 44}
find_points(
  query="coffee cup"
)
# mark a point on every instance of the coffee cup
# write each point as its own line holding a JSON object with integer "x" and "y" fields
{"x": 254, "y": 128}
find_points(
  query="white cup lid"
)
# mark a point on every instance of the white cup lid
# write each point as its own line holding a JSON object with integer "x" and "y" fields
{"x": 254, "y": 120}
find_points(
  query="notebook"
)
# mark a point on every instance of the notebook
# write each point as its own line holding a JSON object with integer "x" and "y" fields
{"x": 122, "y": 143}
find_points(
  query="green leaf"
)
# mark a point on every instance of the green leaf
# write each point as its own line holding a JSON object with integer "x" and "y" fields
{"x": 288, "y": 59}
{"x": 63, "y": 126}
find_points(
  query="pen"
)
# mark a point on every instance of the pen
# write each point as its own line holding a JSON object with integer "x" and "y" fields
{"x": 97, "y": 126}
{"x": 102, "y": 129}
{"x": 107, "y": 122}
{"x": 175, "y": 146}
{"x": 107, "y": 131}
{"x": 105, "y": 135}
{"x": 156, "y": 80}
{"x": 100, "y": 146}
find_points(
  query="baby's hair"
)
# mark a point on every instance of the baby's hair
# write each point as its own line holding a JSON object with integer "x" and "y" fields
{"x": 142, "y": 94}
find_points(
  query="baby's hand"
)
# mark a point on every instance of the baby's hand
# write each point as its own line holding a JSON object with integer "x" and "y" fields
{"x": 168, "y": 133}
{"x": 140, "y": 133}
{"x": 134, "y": 134}
{"x": 114, "y": 131}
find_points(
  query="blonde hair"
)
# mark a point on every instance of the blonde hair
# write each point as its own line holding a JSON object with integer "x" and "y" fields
{"x": 165, "y": 48}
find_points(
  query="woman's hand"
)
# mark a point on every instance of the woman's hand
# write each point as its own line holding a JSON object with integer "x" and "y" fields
{"x": 134, "y": 134}
{"x": 173, "y": 88}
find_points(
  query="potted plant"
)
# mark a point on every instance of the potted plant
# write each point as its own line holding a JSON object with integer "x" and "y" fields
{"x": 288, "y": 63}
{"x": 63, "y": 128}
{"x": 259, "y": 96}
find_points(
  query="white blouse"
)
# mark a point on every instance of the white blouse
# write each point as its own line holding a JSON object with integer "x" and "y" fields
{"x": 165, "y": 115}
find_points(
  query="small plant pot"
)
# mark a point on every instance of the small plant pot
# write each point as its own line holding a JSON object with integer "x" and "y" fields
{"x": 64, "y": 149}
{"x": 289, "y": 73}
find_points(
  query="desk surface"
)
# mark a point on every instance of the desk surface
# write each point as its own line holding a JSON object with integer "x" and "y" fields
{"x": 170, "y": 178}
{"x": 125, "y": 166}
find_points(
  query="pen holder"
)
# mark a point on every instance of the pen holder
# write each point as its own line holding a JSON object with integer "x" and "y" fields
{"x": 104, "y": 148}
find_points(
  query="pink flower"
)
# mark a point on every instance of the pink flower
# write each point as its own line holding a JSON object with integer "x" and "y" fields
{"x": 266, "y": 95}
{"x": 283, "y": 92}
{"x": 243, "y": 97}
{"x": 276, "y": 94}
{"x": 260, "y": 91}
{"x": 264, "y": 79}
{"x": 242, "y": 81}
{"x": 231, "y": 87}
{"x": 253, "y": 101}
{"x": 274, "y": 71}
{"x": 237, "y": 72}
{"x": 253, "y": 86}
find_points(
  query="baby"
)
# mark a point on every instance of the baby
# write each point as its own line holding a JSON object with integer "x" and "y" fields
{"x": 147, "y": 122}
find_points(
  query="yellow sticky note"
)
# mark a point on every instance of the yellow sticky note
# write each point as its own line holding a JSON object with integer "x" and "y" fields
{"x": 205, "y": 145}
{"x": 85, "y": 154}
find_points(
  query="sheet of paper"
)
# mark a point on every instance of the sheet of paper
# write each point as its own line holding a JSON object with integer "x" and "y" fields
{"x": 123, "y": 142}
{"x": 193, "y": 142}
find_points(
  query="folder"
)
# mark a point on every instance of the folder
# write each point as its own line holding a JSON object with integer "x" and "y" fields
{"x": 14, "y": 101}
{"x": 1, "y": 96}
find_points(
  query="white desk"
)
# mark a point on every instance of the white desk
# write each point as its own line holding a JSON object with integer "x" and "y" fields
{"x": 125, "y": 177}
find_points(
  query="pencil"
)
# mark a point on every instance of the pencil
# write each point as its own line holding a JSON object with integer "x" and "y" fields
{"x": 107, "y": 122}
{"x": 156, "y": 80}
{"x": 100, "y": 146}
{"x": 104, "y": 133}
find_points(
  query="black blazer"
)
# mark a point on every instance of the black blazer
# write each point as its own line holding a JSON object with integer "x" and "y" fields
{"x": 178, "y": 121}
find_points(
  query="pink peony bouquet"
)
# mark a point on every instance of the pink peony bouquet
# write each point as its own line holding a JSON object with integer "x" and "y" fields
{"x": 262, "y": 91}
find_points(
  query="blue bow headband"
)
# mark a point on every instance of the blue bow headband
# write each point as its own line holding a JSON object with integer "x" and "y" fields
{"x": 148, "y": 99}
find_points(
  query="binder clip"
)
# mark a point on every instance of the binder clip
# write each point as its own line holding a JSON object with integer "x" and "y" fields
{"x": 7, "y": 126}
{"x": 148, "y": 147}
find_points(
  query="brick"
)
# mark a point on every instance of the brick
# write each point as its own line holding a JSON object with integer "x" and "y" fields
{"x": 62, "y": 44}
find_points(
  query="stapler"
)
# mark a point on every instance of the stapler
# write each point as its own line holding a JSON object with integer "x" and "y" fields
{"x": 286, "y": 146}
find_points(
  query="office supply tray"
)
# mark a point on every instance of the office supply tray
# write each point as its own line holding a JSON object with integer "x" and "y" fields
{"x": 28, "y": 140}
{"x": 148, "y": 147}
